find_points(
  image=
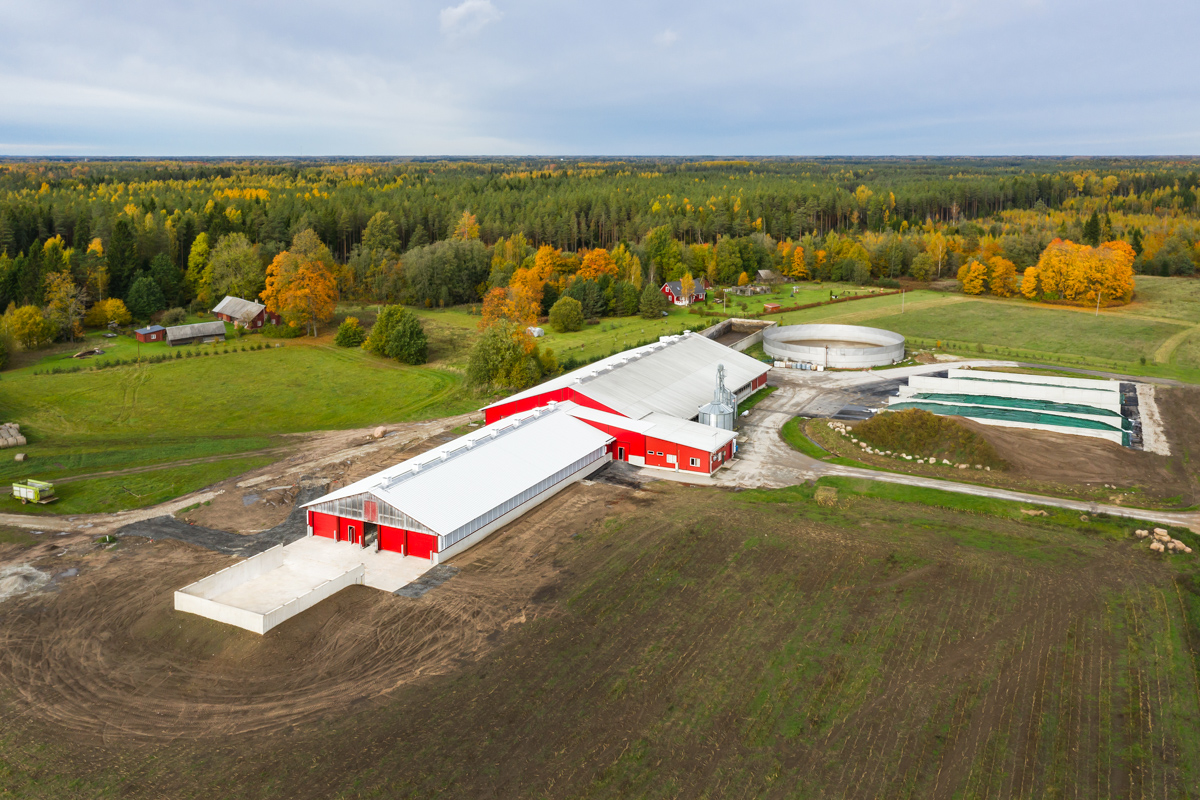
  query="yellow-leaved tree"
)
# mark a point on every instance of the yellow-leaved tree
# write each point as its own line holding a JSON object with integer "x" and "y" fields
{"x": 1080, "y": 274}
{"x": 1030, "y": 286}
{"x": 687, "y": 285}
{"x": 467, "y": 228}
{"x": 973, "y": 277}
{"x": 1002, "y": 280}
{"x": 799, "y": 267}
{"x": 302, "y": 283}
{"x": 743, "y": 279}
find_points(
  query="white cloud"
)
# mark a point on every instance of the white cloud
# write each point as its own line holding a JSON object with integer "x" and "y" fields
{"x": 468, "y": 17}
{"x": 666, "y": 38}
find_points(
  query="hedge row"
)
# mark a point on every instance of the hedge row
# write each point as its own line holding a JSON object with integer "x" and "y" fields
{"x": 124, "y": 362}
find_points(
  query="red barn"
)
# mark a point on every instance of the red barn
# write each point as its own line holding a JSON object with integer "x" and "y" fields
{"x": 648, "y": 398}
{"x": 674, "y": 292}
{"x": 153, "y": 333}
{"x": 441, "y": 502}
{"x": 245, "y": 313}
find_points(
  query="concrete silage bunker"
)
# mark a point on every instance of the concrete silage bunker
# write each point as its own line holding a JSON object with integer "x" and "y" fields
{"x": 834, "y": 346}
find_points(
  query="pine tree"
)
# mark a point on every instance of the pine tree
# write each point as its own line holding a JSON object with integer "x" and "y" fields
{"x": 653, "y": 302}
{"x": 1091, "y": 230}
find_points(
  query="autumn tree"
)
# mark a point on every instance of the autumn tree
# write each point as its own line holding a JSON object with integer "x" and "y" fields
{"x": 198, "y": 275}
{"x": 30, "y": 327}
{"x": 936, "y": 246}
{"x": 111, "y": 310}
{"x": 973, "y": 277}
{"x": 65, "y": 304}
{"x": 301, "y": 283}
{"x": 466, "y": 228}
{"x": 350, "y": 333}
{"x": 799, "y": 268}
{"x": 596, "y": 263}
{"x": 1030, "y": 286}
{"x": 1002, "y": 278}
{"x": 95, "y": 267}
{"x": 743, "y": 279}
{"x": 1081, "y": 274}
{"x": 687, "y": 286}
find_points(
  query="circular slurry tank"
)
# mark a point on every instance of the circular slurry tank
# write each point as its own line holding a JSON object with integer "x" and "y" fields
{"x": 835, "y": 346}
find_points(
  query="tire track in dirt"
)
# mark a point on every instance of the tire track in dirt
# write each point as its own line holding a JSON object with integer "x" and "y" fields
{"x": 106, "y": 657}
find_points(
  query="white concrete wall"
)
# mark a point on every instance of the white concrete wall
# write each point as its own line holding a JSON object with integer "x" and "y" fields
{"x": 1106, "y": 398}
{"x": 196, "y": 597}
{"x": 203, "y": 607}
{"x": 533, "y": 502}
{"x": 220, "y": 582}
{"x": 889, "y": 349}
{"x": 350, "y": 577}
{"x": 1112, "y": 436}
{"x": 1016, "y": 377}
{"x": 1107, "y": 420}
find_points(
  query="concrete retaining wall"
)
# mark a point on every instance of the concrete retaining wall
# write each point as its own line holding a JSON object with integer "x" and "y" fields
{"x": 889, "y": 347}
{"x": 350, "y": 577}
{"x": 1050, "y": 380}
{"x": 1112, "y": 436}
{"x": 1108, "y": 399}
{"x": 753, "y": 328}
{"x": 197, "y": 599}
{"x": 481, "y": 534}
{"x": 907, "y": 396}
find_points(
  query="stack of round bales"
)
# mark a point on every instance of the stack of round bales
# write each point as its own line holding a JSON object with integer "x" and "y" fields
{"x": 10, "y": 435}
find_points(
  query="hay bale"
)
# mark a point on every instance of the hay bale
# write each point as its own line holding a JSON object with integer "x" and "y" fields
{"x": 19, "y": 457}
{"x": 826, "y": 496}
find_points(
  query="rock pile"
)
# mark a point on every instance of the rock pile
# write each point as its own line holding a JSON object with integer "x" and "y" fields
{"x": 844, "y": 429}
{"x": 1161, "y": 541}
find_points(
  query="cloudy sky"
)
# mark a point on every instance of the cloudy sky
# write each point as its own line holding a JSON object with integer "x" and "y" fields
{"x": 498, "y": 77}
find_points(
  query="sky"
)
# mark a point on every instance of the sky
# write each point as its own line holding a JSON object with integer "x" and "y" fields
{"x": 567, "y": 78}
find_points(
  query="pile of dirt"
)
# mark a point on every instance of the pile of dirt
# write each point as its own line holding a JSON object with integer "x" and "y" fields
{"x": 919, "y": 433}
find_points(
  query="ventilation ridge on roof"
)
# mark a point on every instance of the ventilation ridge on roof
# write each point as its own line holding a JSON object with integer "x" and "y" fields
{"x": 495, "y": 431}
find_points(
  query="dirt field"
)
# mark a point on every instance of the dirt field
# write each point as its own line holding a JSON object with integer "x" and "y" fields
{"x": 1075, "y": 466}
{"x": 107, "y": 659}
{"x": 672, "y": 641}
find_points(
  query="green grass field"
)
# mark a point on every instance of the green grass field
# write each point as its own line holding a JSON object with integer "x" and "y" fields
{"x": 204, "y": 406}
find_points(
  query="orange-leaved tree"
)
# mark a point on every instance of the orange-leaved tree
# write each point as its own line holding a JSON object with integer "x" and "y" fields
{"x": 467, "y": 228}
{"x": 596, "y": 263}
{"x": 302, "y": 283}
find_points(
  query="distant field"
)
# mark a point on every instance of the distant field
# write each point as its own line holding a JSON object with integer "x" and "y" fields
{"x": 1033, "y": 329}
{"x": 1165, "y": 298}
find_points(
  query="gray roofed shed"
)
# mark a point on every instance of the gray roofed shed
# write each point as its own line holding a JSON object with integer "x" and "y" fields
{"x": 238, "y": 308}
{"x": 196, "y": 332}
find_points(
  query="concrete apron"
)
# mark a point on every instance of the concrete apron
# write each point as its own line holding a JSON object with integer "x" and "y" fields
{"x": 292, "y": 579}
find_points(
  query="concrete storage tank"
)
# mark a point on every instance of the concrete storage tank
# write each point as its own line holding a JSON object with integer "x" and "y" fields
{"x": 836, "y": 346}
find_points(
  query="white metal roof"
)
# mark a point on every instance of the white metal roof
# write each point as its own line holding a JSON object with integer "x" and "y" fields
{"x": 238, "y": 308}
{"x": 688, "y": 433}
{"x": 675, "y": 376}
{"x": 659, "y": 426}
{"x": 451, "y": 485}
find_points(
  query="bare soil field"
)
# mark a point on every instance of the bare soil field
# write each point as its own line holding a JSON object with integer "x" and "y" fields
{"x": 1073, "y": 466}
{"x": 670, "y": 641}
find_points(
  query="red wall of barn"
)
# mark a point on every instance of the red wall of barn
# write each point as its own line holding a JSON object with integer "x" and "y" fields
{"x": 537, "y": 401}
{"x": 323, "y": 524}
{"x": 633, "y": 442}
{"x": 391, "y": 539}
{"x": 682, "y": 454}
{"x": 344, "y": 526}
{"x": 421, "y": 545}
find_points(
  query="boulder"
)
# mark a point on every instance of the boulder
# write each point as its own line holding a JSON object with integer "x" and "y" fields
{"x": 1157, "y": 547}
{"x": 378, "y": 433}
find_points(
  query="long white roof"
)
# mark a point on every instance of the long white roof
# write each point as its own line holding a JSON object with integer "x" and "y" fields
{"x": 451, "y": 485}
{"x": 674, "y": 376}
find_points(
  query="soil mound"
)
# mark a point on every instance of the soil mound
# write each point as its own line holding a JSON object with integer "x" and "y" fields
{"x": 919, "y": 433}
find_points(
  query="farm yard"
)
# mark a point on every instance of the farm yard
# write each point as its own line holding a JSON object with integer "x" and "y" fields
{"x": 678, "y": 641}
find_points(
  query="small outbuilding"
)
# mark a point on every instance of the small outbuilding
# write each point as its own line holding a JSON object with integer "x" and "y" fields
{"x": 246, "y": 313}
{"x": 197, "y": 333}
{"x": 770, "y": 308}
{"x": 153, "y": 333}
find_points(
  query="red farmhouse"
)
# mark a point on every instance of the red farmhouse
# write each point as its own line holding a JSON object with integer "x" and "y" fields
{"x": 154, "y": 333}
{"x": 674, "y": 292}
{"x": 245, "y": 313}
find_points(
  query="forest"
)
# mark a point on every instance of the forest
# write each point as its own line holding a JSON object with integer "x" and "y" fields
{"x": 513, "y": 235}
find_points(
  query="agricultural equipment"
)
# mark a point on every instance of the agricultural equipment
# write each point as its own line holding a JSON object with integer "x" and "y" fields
{"x": 34, "y": 492}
